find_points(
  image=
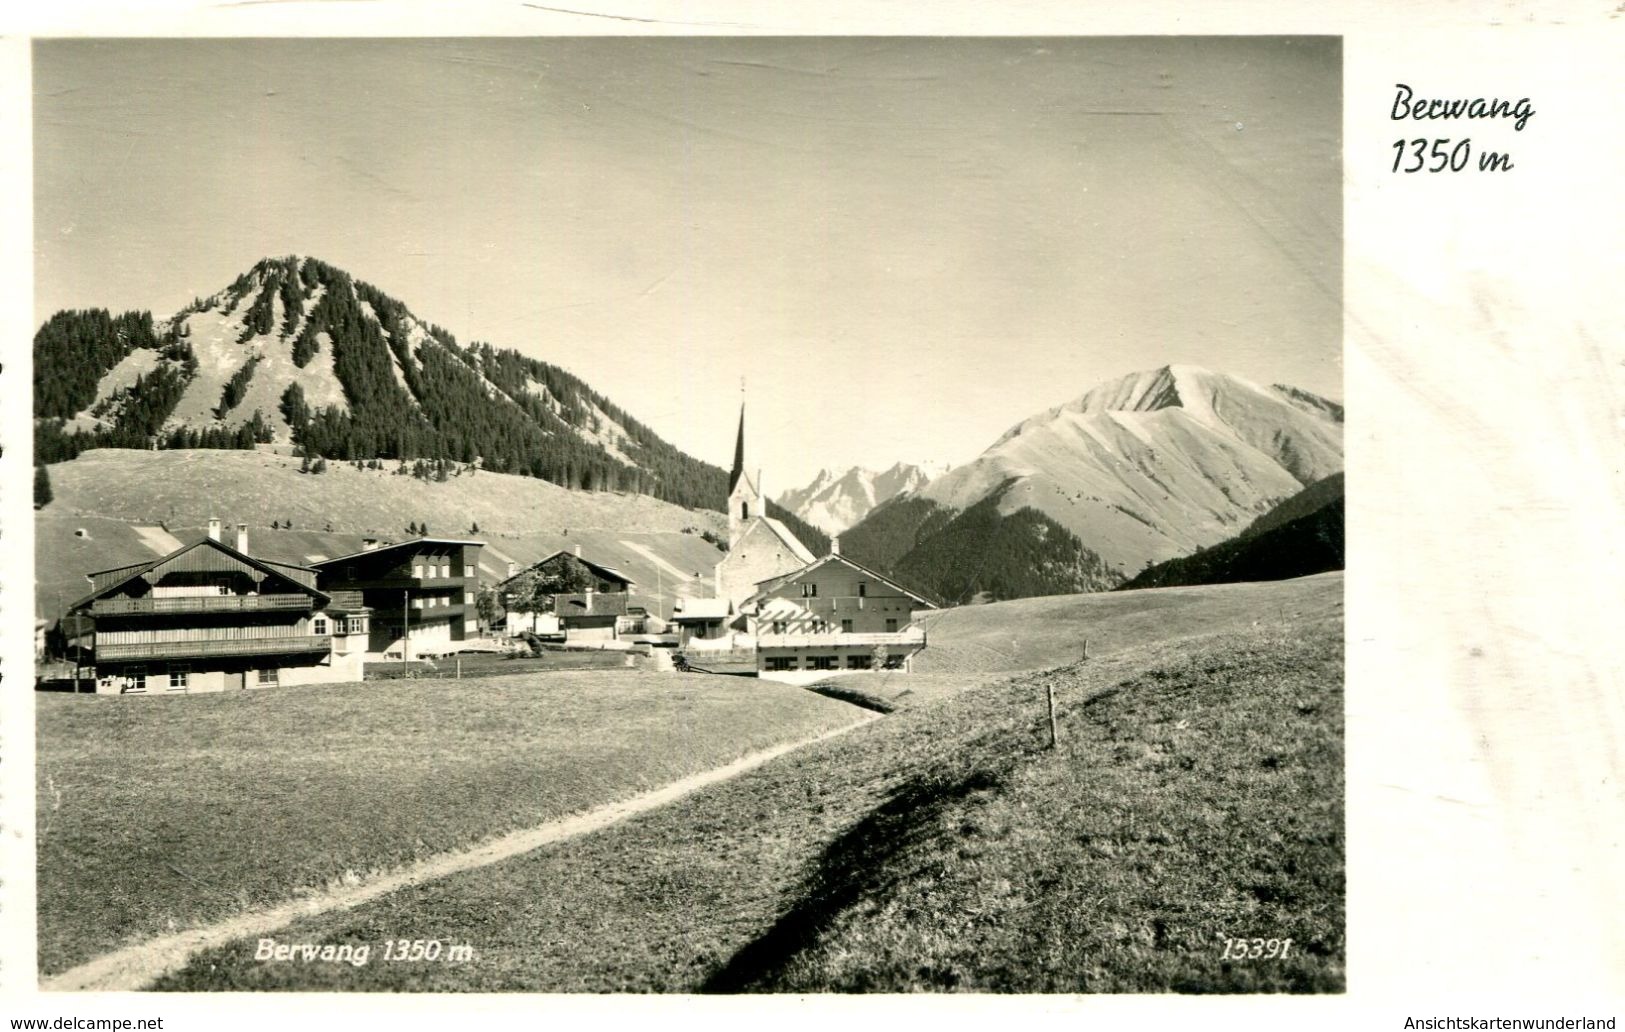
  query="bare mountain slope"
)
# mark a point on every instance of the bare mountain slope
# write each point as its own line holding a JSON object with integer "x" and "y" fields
{"x": 833, "y": 502}
{"x": 1156, "y": 464}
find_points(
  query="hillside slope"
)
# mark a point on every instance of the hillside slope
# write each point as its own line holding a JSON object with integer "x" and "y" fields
{"x": 1197, "y": 788}
{"x": 123, "y": 500}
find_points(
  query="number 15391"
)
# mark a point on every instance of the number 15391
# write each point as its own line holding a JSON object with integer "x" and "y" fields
{"x": 1256, "y": 949}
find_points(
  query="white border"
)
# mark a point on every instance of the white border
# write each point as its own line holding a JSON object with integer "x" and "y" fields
{"x": 1485, "y": 392}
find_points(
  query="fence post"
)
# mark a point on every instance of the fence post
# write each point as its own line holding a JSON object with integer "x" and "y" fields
{"x": 1049, "y": 693}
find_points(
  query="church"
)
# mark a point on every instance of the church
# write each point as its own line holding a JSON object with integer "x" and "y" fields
{"x": 805, "y": 618}
{"x": 760, "y": 547}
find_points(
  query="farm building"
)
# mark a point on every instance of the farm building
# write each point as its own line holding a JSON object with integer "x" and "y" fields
{"x": 529, "y": 596}
{"x": 209, "y": 617}
{"x": 595, "y": 604}
{"x": 833, "y": 616}
{"x": 701, "y": 619}
{"x": 422, "y": 593}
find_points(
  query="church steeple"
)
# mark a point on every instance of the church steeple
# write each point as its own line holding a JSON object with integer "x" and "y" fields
{"x": 739, "y": 452}
{"x": 745, "y": 501}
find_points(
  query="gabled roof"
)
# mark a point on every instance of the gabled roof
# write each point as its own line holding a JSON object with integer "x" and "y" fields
{"x": 346, "y": 601}
{"x": 112, "y": 579}
{"x": 599, "y": 603}
{"x": 606, "y": 572}
{"x": 702, "y": 609}
{"x": 381, "y": 549}
{"x": 765, "y": 586}
{"x": 793, "y": 543}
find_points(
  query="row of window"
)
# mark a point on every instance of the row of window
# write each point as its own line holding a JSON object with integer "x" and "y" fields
{"x": 863, "y": 661}
{"x": 176, "y": 677}
{"x": 349, "y": 625}
{"x": 810, "y": 590}
{"x": 433, "y": 570}
{"x": 821, "y": 626}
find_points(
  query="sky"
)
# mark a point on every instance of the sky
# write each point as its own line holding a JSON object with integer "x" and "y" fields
{"x": 901, "y": 246}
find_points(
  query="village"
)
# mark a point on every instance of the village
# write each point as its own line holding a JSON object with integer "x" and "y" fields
{"x": 212, "y": 615}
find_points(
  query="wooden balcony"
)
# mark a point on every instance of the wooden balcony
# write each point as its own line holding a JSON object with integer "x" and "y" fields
{"x": 212, "y": 647}
{"x": 285, "y": 603}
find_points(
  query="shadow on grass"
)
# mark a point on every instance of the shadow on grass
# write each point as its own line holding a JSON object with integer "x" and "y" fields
{"x": 860, "y": 863}
{"x": 848, "y": 694}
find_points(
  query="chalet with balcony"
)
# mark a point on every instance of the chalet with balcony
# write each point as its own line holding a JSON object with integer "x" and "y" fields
{"x": 833, "y": 616}
{"x": 422, "y": 594}
{"x": 210, "y": 617}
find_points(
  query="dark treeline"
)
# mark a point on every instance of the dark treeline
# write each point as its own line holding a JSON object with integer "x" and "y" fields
{"x": 75, "y": 349}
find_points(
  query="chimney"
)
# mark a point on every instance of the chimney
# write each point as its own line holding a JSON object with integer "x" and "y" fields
{"x": 242, "y": 538}
{"x": 214, "y": 528}
{"x": 512, "y": 568}
{"x": 835, "y": 544}
{"x": 578, "y": 551}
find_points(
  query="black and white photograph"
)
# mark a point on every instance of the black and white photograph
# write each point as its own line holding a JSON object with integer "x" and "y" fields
{"x": 690, "y": 515}
{"x": 681, "y": 502}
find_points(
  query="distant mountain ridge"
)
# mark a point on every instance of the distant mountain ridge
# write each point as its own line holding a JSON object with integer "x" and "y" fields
{"x": 1138, "y": 470}
{"x": 833, "y": 502}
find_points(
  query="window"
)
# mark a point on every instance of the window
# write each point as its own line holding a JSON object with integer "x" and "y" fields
{"x": 319, "y": 625}
{"x": 778, "y": 626}
{"x": 468, "y": 598}
{"x": 357, "y": 624}
{"x": 445, "y": 570}
{"x": 860, "y": 662}
{"x": 821, "y": 663}
{"x": 891, "y": 625}
{"x": 863, "y": 589}
{"x": 814, "y": 592}
{"x": 782, "y": 663}
{"x": 135, "y": 681}
{"x": 267, "y": 676}
{"x": 177, "y": 678}
{"x": 894, "y": 662}
{"x": 846, "y": 626}
{"x": 417, "y": 571}
{"x": 744, "y": 510}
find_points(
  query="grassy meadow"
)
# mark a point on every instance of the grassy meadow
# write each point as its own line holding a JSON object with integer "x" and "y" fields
{"x": 1196, "y": 796}
{"x": 161, "y": 814}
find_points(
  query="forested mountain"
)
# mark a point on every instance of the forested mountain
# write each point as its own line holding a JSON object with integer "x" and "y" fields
{"x": 297, "y": 350}
{"x": 1301, "y": 536}
{"x": 979, "y": 555}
